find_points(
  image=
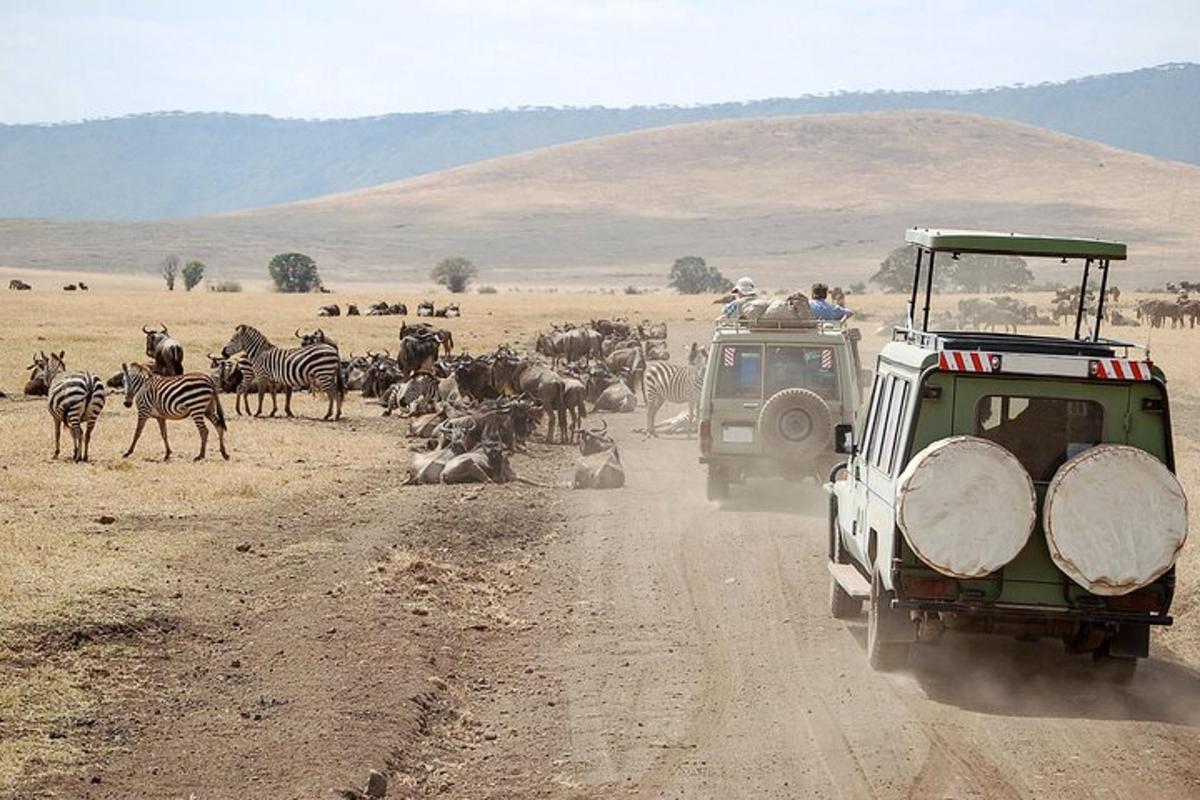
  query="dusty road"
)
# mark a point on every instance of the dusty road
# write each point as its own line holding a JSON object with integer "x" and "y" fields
{"x": 692, "y": 656}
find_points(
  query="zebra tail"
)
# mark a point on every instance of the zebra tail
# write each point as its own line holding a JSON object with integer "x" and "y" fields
{"x": 340, "y": 382}
{"x": 220, "y": 418}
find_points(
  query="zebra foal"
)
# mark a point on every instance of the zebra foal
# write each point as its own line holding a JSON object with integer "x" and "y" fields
{"x": 665, "y": 382}
{"x": 164, "y": 397}
{"x": 314, "y": 366}
{"x": 75, "y": 400}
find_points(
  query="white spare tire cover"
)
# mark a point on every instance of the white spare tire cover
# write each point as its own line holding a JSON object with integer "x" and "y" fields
{"x": 1115, "y": 519}
{"x": 966, "y": 506}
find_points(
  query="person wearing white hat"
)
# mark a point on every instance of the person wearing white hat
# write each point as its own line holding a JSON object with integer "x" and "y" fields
{"x": 743, "y": 290}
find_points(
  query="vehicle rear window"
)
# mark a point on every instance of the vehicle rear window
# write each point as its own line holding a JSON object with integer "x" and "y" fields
{"x": 1042, "y": 432}
{"x": 739, "y": 372}
{"x": 812, "y": 368}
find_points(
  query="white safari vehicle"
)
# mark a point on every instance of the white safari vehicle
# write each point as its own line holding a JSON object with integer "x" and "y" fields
{"x": 773, "y": 392}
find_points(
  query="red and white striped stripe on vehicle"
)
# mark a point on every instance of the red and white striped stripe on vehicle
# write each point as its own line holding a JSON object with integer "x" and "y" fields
{"x": 964, "y": 361}
{"x": 1114, "y": 369}
{"x": 1120, "y": 369}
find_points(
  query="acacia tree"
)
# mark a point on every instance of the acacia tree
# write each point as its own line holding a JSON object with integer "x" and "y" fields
{"x": 294, "y": 272}
{"x": 691, "y": 275}
{"x": 455, "y": 274}
{"x": 170, "y": 270}
{"x": 193, "y": 273}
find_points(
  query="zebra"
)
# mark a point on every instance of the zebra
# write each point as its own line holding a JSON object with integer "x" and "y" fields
{"x": 315, "y": 366}
{"x": 75, "y": 400}
{"x": 665, "y": 382}
{"x": 164, "y": 397}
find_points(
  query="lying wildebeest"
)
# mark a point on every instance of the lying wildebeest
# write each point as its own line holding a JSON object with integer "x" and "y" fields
{"x": 599, "y": 464}
{"x": 166, "y": 351}
{"x": 427, "y": 467}
{"x": 83, "y": 287}
{"x": 607, "y": 392}
{"x": 630, "y": 362}
{"x": 487, "y": 463}
{"x": 617, "y": 328}
{"x": 19, "y": 285}
{"x": 352, "y": 310}
{"x": 381, "y": 373}
{"x": 36, "y": 385}
{"x": 70, "y": 287}
{"x": 657, "y": 351}
{"x": 656, "y": 330}
{"x": 315, "y": 337}
{"x": 518, "y": 376}
{"x": 416, "y": 395}
{"x": 331, "y": 310}
{"x": 354, "y": 372}
{"x": 474, "y": 378}
{"x": 425, "y": 309}
{"x": 450, "y": 310}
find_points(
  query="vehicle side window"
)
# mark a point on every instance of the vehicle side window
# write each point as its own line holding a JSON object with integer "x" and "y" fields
{"x": 868, "y": 420}
{"x": 812, "y": 368}
{"x": 739, "y": 372}
{"x": 894, "y": 434}
{"x": 880, "y": 416}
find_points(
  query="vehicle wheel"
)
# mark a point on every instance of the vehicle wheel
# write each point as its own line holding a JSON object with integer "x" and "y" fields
{"x": 883, "y": 656}
{"x": 718, "y": 483}
{"x": 1116, "y": 669}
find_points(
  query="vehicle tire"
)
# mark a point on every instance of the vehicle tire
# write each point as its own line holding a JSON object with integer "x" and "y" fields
{"x": 796, "y": 425}
{"x": 883, "y": 656}
{"x": 1115, "y": 669}
{"x": 718, "y": 483}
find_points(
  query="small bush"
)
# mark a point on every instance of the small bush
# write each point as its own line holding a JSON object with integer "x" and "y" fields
{"x": 858, "y": 287}
{"x": 487, "y": 290}
{"x": 225, "y": 286}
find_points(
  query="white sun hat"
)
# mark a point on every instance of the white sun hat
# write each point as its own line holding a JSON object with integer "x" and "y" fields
{"x": 744, "y": 286}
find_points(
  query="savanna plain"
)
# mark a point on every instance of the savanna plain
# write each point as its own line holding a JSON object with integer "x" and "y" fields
{"x": 280, "y": 624}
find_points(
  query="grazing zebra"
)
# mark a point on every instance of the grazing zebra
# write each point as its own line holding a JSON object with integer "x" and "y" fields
{"x": 665, "y": 382}
{"x": 315, "y": 366}
{"x": 165, "y": 397}
{"x": 76, "y": 400}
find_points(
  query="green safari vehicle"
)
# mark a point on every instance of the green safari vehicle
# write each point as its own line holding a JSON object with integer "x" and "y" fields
{"x": 1007, "y": 483}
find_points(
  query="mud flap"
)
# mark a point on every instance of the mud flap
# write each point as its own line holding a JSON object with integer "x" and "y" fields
{"x": 1132, "y": 640}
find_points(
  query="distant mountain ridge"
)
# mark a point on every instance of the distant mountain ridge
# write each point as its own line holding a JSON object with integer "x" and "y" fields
{"x": 165, "y": 165}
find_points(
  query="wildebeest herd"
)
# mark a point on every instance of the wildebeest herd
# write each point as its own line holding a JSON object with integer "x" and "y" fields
{"x": 385, "y": 309}
{"x": 469, "y": 412}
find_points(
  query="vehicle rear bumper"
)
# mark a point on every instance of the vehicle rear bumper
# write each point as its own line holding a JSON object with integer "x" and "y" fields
{"x": 1033, "y": 613}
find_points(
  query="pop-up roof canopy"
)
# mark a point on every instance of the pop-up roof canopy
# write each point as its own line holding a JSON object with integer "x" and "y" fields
{"x": 1014, "y": 244}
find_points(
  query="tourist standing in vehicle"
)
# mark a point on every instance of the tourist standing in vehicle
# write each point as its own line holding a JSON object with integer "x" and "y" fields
{"x": 743, "y": 291}
{"x": 822, "y": 308}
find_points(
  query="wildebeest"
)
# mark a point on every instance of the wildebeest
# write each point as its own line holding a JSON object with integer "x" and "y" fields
{"x": 427, "y": 467}
{"x": 70, "y": 287}
{"x": 76, "y": 400}
{"x": 354, "y": 372}
{"x": 83, "y": 287}
{"x": 575, "y": 397}
{"x": 486, "y": 463}
{"x": 166, "y": 351}
{"x": 599, "y": 464}
{"x": 577, "y": 344}
{"x": 331, "y": 310}
{"x": 19, "y": 285}
{"x": 518, "y": 376}
{"x": 657, "y": 330}
{"x": 352, "y": 310}
{"x": 474, "y": 377}
{"x": 425, "y": 309}
{"x": 657, "y": 351}
{"x": 315, "y": 337}
{"x": 36, "y": 385}
{"x": 450, "y": 310}
{"x": 382, "y": 372}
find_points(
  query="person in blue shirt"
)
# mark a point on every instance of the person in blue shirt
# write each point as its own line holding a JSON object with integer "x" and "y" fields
{"x": 822, "y": 308}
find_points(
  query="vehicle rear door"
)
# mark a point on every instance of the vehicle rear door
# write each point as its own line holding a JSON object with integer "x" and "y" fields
{"x": 736, "y": 397}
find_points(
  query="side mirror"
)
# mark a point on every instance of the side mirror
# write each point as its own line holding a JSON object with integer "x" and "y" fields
{"x": 843, "y": 439}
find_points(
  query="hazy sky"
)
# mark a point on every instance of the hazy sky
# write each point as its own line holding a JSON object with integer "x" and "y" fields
{"x": 324, "y": 58}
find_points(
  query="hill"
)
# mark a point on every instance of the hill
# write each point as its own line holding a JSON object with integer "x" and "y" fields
{"x": 171, "y": 165}
{"x": 784, "y": 198}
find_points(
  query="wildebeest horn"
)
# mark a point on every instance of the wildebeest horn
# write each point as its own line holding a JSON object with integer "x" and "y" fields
{"x": 145, "y": 329}
{"x": 164, "y": 328}
{"x": 297, "y": 334}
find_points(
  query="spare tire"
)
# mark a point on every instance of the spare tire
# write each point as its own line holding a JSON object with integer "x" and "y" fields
{"x": 1115, "y": 519}
{"x": 795, "y": 425}
{"x": 966, "y": 506}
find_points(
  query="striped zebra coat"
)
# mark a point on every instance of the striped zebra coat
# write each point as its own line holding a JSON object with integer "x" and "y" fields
{"x": 665, "y": 382}
{"x": 164, "y": 397}
{"x": 75, "y": 400}
{"x": 315, "y": 366}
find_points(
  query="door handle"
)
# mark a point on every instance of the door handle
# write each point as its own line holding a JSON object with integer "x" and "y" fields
{"x": 750, "y": 405}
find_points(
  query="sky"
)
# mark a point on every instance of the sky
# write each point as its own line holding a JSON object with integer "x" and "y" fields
{"x": 65, "y": 61}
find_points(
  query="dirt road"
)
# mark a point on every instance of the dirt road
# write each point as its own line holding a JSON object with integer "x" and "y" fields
{"x": 692, "y": 656}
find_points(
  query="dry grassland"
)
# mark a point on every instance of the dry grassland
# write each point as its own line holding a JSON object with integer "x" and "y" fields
{"x": 75, "y": 593}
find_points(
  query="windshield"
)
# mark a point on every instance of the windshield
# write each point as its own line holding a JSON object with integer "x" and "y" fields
{"x": 742, "y": 373}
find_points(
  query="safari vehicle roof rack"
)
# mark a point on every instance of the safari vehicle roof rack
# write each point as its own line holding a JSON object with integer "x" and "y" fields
{"x": 825, "y": 326}
{"x": 932, "y": 241}
{"x": 980, "y": 341}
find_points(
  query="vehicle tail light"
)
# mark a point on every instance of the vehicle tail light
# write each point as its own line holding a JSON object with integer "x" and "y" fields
{"x": 705, "y": 437}
{"x": 927, "y": 587}
{"x": 1146, "y": 600}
